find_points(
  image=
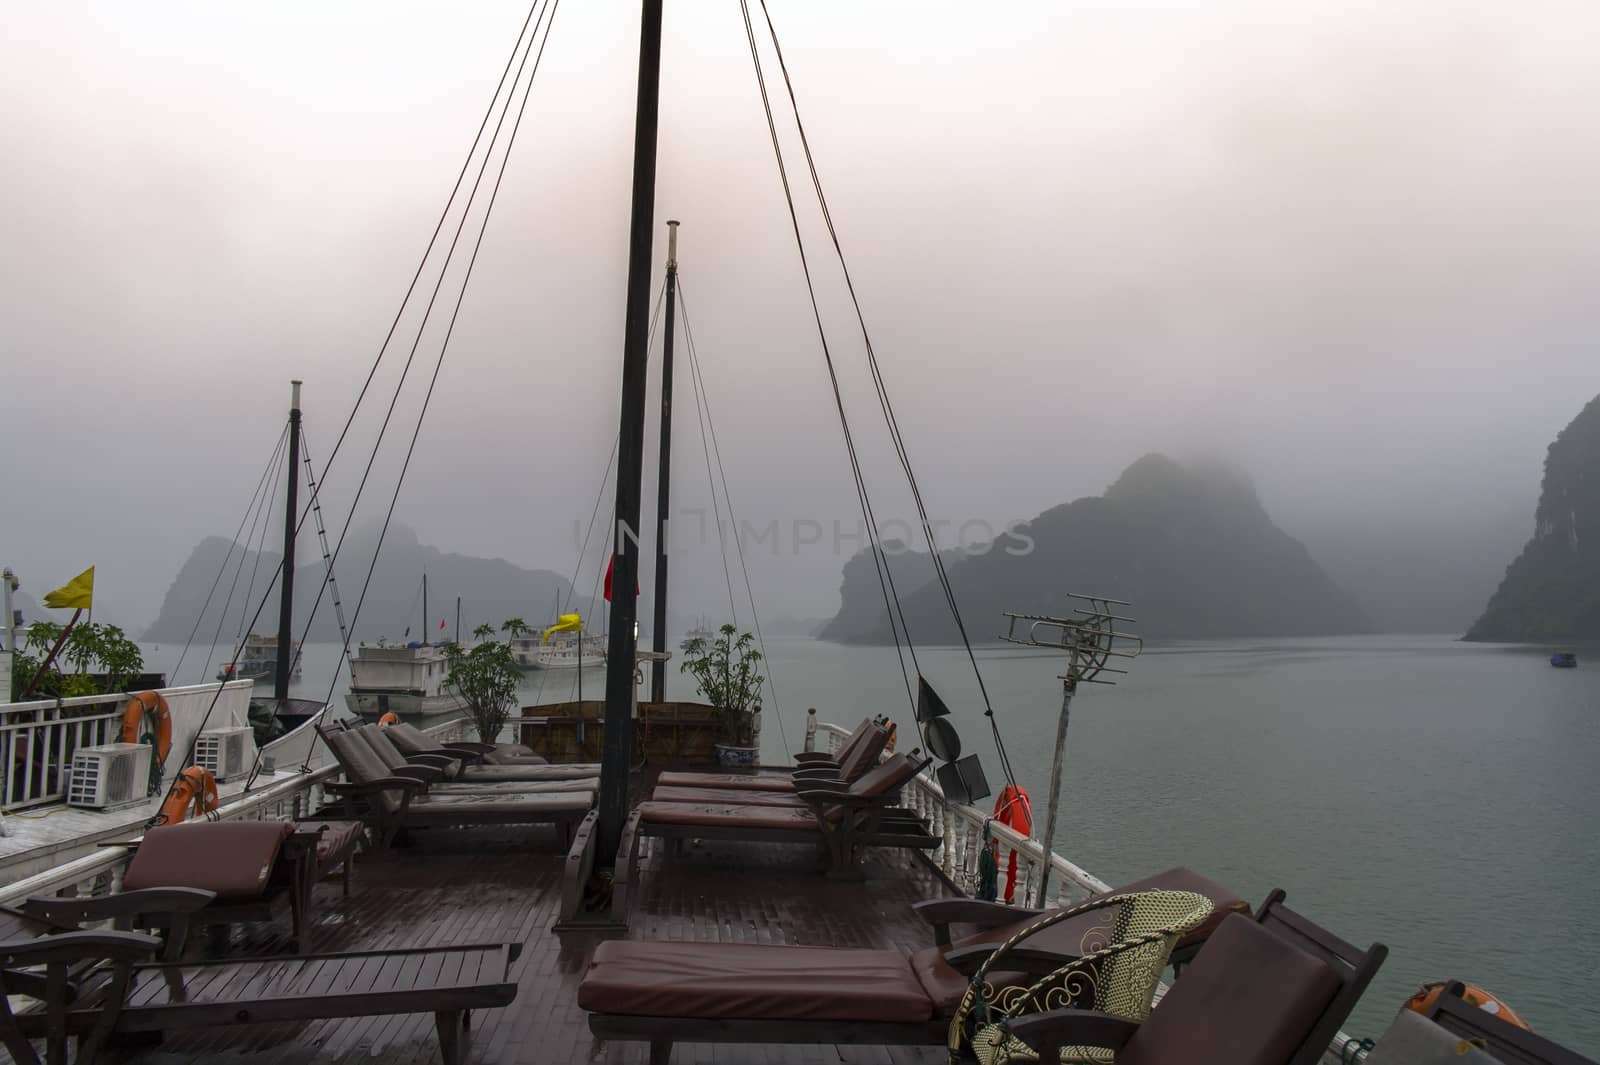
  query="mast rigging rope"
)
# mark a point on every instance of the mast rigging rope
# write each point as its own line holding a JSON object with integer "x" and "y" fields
{"x": 879, "y": 385}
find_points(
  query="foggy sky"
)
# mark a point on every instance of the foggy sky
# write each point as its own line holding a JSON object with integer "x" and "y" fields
{"x": 1350, "y": 248}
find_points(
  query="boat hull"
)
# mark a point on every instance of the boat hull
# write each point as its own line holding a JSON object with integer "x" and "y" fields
{"x": 405, "y": 704}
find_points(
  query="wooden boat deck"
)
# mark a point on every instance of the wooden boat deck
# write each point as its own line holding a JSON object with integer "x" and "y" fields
{"x": 496, "y": 884}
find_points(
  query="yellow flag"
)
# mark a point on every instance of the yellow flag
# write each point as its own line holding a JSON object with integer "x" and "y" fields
{"x": 76, "y": 594}
{"x": 565, "y": 623}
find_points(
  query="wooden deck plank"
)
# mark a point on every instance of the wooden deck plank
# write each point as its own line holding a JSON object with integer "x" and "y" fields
{"x": 503, "y": 885}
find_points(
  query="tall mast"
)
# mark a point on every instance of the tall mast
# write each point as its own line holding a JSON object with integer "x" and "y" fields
{"x": 617, "y": 752}
{"x": 658, "y": 668}
{"x": 280, "y": 675}
{"x": 424, "y": 610}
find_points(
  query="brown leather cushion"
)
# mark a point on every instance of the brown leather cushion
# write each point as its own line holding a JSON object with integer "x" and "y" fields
{"x": 736, "y": 781}
{"x": 362, "y": 764}
{"x": 946, "y": 986}
{"x": 390, "y": 755}
{"x": 335, "y": 839}
{"x": 750, "y": 797}
{"x": 885, "y": 777}
{"x": 751, "y": 981}
{"x": 854, "y": 761}
{"x": 232, "y": 858}
{"x": 1249, "y": 998}
{"x": 453, "y": 809}
{"x": 727, "y": 815}
{"x": 530, "y": 773}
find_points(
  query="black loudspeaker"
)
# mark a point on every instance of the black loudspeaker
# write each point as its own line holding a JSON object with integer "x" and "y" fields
{"x": 963, "y": 781}
{"x": 943, "y": 743}
{"x": 929, "y": 705}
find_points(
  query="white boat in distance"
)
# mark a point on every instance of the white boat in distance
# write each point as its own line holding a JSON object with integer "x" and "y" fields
{"x": 258, "y": 658}
{"x": 406, "y": 679}
{"x": 563, "y": 645}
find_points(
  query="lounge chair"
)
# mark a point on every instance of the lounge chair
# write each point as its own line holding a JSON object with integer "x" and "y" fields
{"x": 841, "y": 820}
{"x": 1267, "y": 992}
{"x": 123, "y": 993}
{"x": 389, "y": 803}
{"x": 412, "y": 740}
{"x": 67, "y": 957}
{"x": 1282, "y": 984}
{"x": 250, "y": 870}
{"x": 1505, "y": 1041}
{"x": 447, "y": 775}
{"x": 757, "y": 993}
{"x": 858, "y": 754}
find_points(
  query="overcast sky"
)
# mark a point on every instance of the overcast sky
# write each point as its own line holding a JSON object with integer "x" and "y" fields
{"x": 1351, "y": 247}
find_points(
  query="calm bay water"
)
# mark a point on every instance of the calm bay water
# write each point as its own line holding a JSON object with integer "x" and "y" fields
{"x": 1434, "y": 795}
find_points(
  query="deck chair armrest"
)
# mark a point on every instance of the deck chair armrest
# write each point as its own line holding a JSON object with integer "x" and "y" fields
{"x": 1051, "y": 1030}
{"x": 942, "y": 913}
{"x": 466, "y": 749}
{"x": 817, "y": 772}
{"x": 807, "y": 759}
{"x": 372, "y": 787}
{"x": 1025, "y": 960}
{"x": 73, "y": 947}
{"x": 826, "y": 787}
{"x": 426, "y": 774}
{"x": 825, "y": 794}
{"x": 124, "y": 905}
{"x": 446, "y": 762}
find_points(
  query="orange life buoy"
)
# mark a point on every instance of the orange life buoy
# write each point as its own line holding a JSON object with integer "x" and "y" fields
{"x": 389, "y": 718}
{"x": 1473, "y": 995}
{"x": 194, "y": 790}
{"x": 145, "y": 717}
{"x": 1014, "y": 810}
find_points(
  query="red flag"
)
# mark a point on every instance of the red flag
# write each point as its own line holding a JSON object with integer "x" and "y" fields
{"x": 441, "y": 623}
{"x": 609, "y": 563}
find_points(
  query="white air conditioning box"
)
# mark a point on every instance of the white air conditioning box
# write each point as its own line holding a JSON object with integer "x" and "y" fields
{"x": 227, "y": 752}
{"x": 112, "y": 774}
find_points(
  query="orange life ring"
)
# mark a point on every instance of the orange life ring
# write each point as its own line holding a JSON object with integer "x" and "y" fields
{"x": 143, "y": 711}
{"x": 1014, "y": 810}
{"x": 194, "y": 790}
{"x": 389, "y": 718}
{"x": 1429, "y": 993}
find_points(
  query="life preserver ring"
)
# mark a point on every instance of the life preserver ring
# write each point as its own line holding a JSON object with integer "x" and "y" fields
{"x": 147, "y": 719}
{"x": 1014, "y": 809}
{"x": 195, "y": 790}
{"x": 389, "y": 718}
{"x": 1473, "y": 995}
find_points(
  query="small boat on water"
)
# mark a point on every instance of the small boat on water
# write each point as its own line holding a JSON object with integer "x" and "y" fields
{"x": 1564, "y": 660}
{"x": 256, "y": 658}
{"x": 699, "y": 632}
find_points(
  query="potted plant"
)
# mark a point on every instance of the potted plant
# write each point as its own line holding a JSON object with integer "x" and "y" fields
{"x": 485, "y": 676}
{"x": 725, "y": 668}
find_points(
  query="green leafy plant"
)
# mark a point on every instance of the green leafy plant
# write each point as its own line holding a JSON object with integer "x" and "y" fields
{"x": 725, "y": 669}
{"x": 485, "y": 676}
{"x": 102, "y": 658}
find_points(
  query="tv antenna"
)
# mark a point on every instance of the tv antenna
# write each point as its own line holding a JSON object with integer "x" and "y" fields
{"x": 1092, "y": 636}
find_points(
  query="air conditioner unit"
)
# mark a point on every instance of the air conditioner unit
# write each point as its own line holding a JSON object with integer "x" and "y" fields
{"x": 227, "y": 752}
{"x": 112, "y": 774}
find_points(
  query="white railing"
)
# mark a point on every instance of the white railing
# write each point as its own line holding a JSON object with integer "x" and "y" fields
{"x": 962, "y": 827}
{"x": 38, "y": 738}
{"x": 298, "y": 796}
